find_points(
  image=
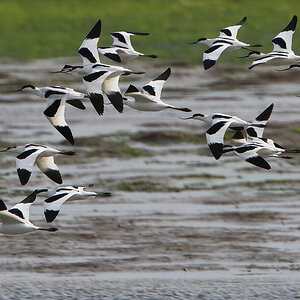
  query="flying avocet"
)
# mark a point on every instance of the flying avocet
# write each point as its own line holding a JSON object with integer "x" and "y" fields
{"x": 16, "y": 220}
{"x": 58, "y": 196}
{"x": 227, "y": 40}
{"x": 150, "y": 98}
{"x": 42, "y": 155}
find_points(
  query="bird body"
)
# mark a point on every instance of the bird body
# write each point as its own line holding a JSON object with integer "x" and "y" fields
{"x": 16, "y": 220}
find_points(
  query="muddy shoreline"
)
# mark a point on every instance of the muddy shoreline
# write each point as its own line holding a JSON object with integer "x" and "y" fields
{"x": 180, "y": 225}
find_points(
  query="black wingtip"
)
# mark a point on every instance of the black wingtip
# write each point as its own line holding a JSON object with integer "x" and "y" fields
{"x": 113, "y": 56}
{"x": 24, "y": 175}
{"x": 242, "y": 21}
{"x": 292, "y": 25}
{"x": 265, "y": 115}
{"x": 208, "y": 63}
{"x": 259, "y": 162}
{"x": 95, "y": 31}
{"x": 50, "y": 215}
{"x": 131, "y": 89}
{"x": 116, "y": 100}
{"x": 76, "y": 103}
{"x": 97, "y": 102}
{"x": 216, "y": 149}
{"x": 164, "y": 76}
{"x": 54, "y": 175}
{"x": 66, "y": 132}
{"x": 2, "y": 205}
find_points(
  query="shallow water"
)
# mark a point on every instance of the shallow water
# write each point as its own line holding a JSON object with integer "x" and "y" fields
{"x": 179, "y": 225}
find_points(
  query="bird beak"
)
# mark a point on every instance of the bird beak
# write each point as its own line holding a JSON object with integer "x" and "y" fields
{"x": 3, "y": 150}
{"x": 19, "y": 90}
{"x": 55, "y": 72}
{"x": 193, "y": 43}
{"x": 243, "y": 56}
{"x": 103, "y": 195}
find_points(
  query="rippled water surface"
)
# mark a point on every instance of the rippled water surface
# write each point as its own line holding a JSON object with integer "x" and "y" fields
{"x": 180, "y": 225}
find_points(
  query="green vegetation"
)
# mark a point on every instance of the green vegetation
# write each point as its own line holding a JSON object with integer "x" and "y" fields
{"x": 55, "y": 28}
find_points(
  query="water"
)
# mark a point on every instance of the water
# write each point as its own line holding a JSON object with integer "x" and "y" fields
{"x": 179, "y": 225}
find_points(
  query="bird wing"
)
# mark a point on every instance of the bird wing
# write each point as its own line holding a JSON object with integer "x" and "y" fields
{"x": 93, "y": 83}
{"x": 25, "y": 161}
{"x": 47, "y": 165}
{"x": 283, "y": 41}
{"x": 111, "y": 53}
{"x": 121, "y": 39}
{"x": 215, "y": 136}
{"x": 231, "y": 31}
{"x": 256, "y": 129}
{"x": 154, "y": 87}
{"x": 249, "y": 153}
{"x": 55, "y": 113}
{"x": 212, "y": 54}
{"x": 52, "y": 204}
{"x": 266, "y": 59}
{"x": 89, "y": 47}
{"x": 21, "y": 209}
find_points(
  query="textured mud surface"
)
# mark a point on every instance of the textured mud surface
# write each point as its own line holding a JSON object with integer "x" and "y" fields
{"x": 180, "y": 225}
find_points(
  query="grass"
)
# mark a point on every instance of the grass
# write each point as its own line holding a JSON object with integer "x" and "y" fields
{"x": 43, "y": 29}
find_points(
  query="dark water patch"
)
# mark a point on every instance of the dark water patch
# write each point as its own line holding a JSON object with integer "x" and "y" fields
{"x": 167, "y": 137}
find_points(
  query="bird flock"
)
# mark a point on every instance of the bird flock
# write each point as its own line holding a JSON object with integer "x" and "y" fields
{"x": 101, "y": 81}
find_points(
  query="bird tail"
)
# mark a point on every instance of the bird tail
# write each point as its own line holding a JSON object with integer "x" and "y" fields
{"x": 151, "y": 55}
{"x": 185, "y": 109}
{"x": 68, "y": 152}
{"x": 51, "y": 229}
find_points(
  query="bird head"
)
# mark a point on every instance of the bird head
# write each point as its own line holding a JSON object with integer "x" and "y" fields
{"x": 10, "y": 149}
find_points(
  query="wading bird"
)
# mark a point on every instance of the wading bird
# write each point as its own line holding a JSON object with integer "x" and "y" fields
{"x": 122, "y": 50}
{"x": 42, "y": 155}
{"x": 16, "y": 220}
{"x": 227, "y": 40}
{"x": 58, "y": 196}
{"x": 150, "y": 98}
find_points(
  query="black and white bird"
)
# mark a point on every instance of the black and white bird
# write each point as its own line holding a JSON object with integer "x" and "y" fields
{"x": 58, "y": 196}
{"x": 227, "y": 40}
{"x": 57, "y": 97}
{"x": 282, "y": 53}
{"x": 42, "y": 155}
{"x": 16, "y": 220}
{"x": 122, "y": 50}
{"x": 219, "y": 123}
{"x": 104, "y": 79}
{"x": 88, "y": 51}
{"x": 255, "y": 150}
{"x": 150, "y": 98}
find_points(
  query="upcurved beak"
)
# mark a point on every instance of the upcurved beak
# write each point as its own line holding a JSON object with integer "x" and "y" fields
{"x": 192, "y": 43}
{"x": 3, "y": 150}
{"x": 55, "y": 72}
